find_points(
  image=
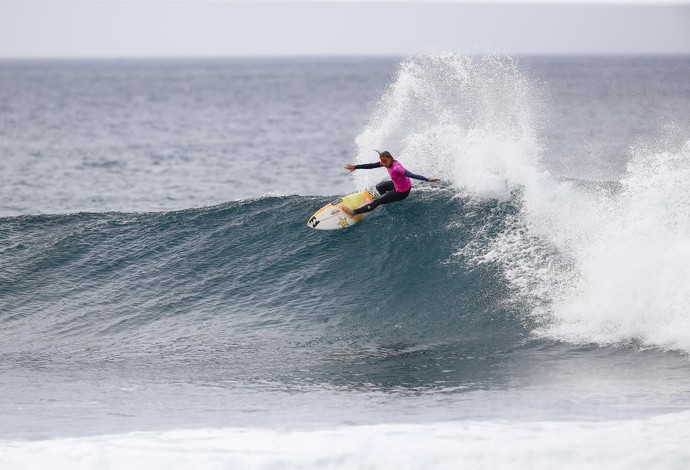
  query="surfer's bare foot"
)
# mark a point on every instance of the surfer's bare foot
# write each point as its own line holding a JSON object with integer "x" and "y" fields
{"x": 348, "y": 211}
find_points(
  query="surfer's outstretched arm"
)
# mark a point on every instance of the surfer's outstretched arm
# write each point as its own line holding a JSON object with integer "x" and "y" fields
{"x": 362, "y": 166}
{"x": 409, "y": 174}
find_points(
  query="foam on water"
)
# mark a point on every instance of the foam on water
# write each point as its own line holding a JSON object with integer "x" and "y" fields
{"x": 658, "y": 442}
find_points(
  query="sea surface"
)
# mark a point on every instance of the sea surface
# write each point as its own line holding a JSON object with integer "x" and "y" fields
{"x": 164, "y": 305}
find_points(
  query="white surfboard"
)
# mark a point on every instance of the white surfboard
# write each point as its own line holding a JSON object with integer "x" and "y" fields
{"x": 332, "y": 217}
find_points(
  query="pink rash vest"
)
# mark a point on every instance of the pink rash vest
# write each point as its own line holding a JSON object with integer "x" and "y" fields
{"x": 397, "y": 173}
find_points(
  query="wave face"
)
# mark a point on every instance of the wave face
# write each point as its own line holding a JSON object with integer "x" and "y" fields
{"x": 248, "y": 281}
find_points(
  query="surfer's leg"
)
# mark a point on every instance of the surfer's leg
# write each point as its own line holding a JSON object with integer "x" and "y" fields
{"x": 386, "y": 198}
{"x": 385, "y": 186}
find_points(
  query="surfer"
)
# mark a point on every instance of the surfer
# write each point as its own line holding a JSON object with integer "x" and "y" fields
{"x": 397, "y": 189}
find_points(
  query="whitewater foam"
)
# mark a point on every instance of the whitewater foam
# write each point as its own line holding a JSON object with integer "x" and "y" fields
{"x": 657, "y": 442}
{"x": 635, "y": 272}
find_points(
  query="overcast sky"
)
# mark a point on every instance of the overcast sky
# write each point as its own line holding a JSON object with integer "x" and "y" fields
{"x": 118, "y": 28}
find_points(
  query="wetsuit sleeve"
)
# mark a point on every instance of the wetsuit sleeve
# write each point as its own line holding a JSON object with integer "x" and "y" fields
{"x": 409, "y": 174}
{"x": 367, "y": 166}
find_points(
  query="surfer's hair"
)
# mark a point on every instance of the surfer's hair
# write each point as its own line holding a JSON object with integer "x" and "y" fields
{"x": 385, "y": 153}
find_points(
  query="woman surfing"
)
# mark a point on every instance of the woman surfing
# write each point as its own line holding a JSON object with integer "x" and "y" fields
{"x": 390, "y": 191}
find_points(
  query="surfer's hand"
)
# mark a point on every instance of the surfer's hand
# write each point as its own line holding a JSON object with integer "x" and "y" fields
{"x": 350, "y": 167}
{"x": 434, "y": 180}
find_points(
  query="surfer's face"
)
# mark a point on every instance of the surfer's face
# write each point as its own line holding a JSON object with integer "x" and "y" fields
{"x": 386, "y": 161}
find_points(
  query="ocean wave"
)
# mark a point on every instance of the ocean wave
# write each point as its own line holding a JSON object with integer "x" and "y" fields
{"x": 253, "y": 259}
{"x": 249, "y": 281}
{"x": 437, "y": 269}
{"x": 504, "y": 255}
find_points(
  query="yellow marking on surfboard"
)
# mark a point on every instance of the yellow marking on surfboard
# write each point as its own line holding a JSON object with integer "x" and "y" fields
{"x": 352, "y": 201}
